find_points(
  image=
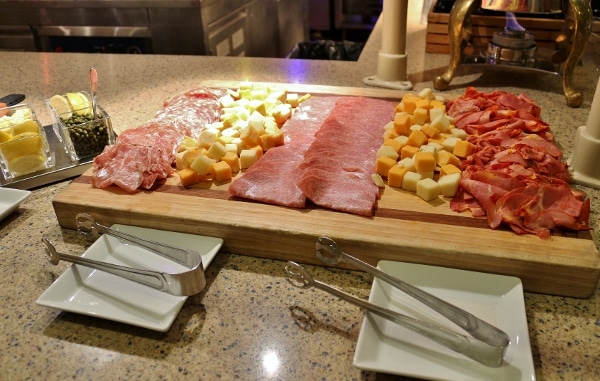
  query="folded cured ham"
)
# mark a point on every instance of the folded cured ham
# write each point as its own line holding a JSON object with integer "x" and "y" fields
{"x": 144, "y": 154}
{"x": 516, "y": 175}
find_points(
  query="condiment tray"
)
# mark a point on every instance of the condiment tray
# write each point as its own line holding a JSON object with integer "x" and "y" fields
{"x": 389, "y": 348}
{"x": 64, "y": 167}
{"x": 96, "y": 293}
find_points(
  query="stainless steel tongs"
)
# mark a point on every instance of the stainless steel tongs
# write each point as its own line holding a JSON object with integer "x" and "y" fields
{"x": 487, "y": 344}
{"x": 179, "y": 284}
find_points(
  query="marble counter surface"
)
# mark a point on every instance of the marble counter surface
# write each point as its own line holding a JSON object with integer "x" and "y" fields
{"x": 248, "y": 323}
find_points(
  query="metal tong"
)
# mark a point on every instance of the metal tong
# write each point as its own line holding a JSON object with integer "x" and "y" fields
{"x": 487, "y": 345}
{"x": 179, "y": 284}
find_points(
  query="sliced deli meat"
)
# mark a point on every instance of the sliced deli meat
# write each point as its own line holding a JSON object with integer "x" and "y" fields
{"x": 516, "y": 175}
{"x": 273, "y": 179}
{"x": 337, "y": 168}
{"x": 144, "y": 154}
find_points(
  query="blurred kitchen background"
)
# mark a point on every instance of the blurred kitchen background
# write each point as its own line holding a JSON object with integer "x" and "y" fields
{"x": 256, "y": 28}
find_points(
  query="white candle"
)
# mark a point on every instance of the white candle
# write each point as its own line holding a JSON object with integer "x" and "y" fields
{"x": 592, "y": 126}
{"x": 393, "y": 37}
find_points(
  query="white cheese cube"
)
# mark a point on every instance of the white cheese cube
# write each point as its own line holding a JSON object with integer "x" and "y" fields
{"x": 426, "y": 93}
{"x": 450, "y": 143}
{"x": 389, "y": 125}
{"x": 226, "y": 101}
{"x": 292, "y": 99}
{"x": 232, "y": 147}
{"x": 402, "y": 139}
{"x": 207, "y": 137}
{"x": 216, "y": 151}
{"x": 426, "y": 175}
{"x": 387, "y": 151}
{"x": 202, "y": 164}
{"x": 459, "y": 133}
{"x": 410, "y": 180}
{"x": 378, "y": 180}
{"x": 248, "y": 157}
{"x": 408, "y": 163}
{"x": 435, "y": 112}
{"x": 428, "y": 189}
{"x": 449, "y": 184}
{"x": 257, "y": 120}
{"x": 429, "y": 148}
{"x": 416, "y": 127}
{"x": 441, "y": 122}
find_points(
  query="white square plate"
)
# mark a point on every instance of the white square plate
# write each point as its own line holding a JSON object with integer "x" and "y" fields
{"x": 96, "y": 293}
{"x": 390, "y": 348}
{"x": 10, "y": 199}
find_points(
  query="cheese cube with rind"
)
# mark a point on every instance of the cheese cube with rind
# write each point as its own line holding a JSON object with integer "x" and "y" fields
{"x": 410, "y": 180}
{"x": 428, "y": 189}
{"x": 449, "y": 184}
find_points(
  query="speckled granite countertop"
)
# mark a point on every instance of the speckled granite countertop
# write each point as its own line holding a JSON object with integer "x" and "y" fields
{"x": 245, "y": 314}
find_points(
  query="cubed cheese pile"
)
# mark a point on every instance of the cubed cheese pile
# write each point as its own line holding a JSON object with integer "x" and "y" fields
{"x": 422, "y": 150}
{"x": 251, "y": 121}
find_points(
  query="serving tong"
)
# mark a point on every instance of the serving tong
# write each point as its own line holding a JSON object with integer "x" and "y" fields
{"x": 178, "y": 284}
{"x": 486, "y": 345}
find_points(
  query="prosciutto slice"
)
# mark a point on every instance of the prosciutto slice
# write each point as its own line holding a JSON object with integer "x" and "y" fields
{"x": 144, "y": 154}
{"x": 273, "y": 178}
{"x": 337, "y": 168}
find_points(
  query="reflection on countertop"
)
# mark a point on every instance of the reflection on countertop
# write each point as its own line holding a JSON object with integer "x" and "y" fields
{"x": 248, "y": 323}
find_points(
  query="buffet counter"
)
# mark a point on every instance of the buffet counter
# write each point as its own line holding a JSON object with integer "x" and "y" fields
{"x": 248, "y": 323}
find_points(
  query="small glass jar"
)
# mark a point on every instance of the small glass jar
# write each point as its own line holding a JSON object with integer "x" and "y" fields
{"x": 82, "y": 135}
{"x": 24, "y": 146}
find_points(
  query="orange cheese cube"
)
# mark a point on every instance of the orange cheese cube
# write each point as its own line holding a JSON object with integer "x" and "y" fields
{"x": 463, "y": 148}
{"x": 408, "y": 151}
{"x": 448, "y": 169}
{"x": 402, "y": 123}
{"x": 444, "y": 157}
{"x": 424, "y": 162}
{"x": 430, "y": 131}
{"x": 270, "y": 140}
{"x": 189, "y": 177}
{"x": 396, "y": 175}
{"x": 383, "y": 166}
{"x": 221, "y": 171}
{"x": 233, "y": 161}
{"x": 423, "y": 103}
{"x": 417, "y": 138}
{"x": 438, "y": 104}
{"x": 395, "y": 144}
{"x": 409, "y": 101}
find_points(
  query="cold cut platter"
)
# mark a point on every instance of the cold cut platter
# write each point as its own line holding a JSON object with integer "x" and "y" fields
{"x": 402, "y": 226}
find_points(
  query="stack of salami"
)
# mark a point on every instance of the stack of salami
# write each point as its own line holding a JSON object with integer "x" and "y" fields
{"x": 516, "y": 175}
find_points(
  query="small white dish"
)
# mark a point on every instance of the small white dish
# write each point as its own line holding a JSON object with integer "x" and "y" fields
{"x": 387, "y": 347}
{"x": 96, "y": 293}
{"x": 10, "y": 199}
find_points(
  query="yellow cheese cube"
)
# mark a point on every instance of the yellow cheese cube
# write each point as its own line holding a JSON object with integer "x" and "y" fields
{"x": 420, "y": 116}
{"x": 428, "y": 189}
{"x": 438, "y": 104}
{"x": 221, "y": 171}
{"x": 383, "y": 165}
{"x": 410, "y": 180}
{"x": 396, "y": 176}
{"x": 424, "y": 161}
{"x": 408, "y": 151}
{"x": 417, "y": 138}
{"x": 444, "y": 157}
{"x": 463, "y": 148}
{"x": 402, "y": 123}
{"x": 271, "y": 140}
{"x": 448, "y": 169}
{"x": 449, "y": 184}
{"x": 410, "y": 103}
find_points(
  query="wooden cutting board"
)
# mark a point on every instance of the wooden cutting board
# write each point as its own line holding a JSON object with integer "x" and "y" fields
{"x": 404, "y": 227}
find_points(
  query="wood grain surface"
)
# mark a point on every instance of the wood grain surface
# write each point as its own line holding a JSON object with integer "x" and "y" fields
{"x": 404, "y": 227}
